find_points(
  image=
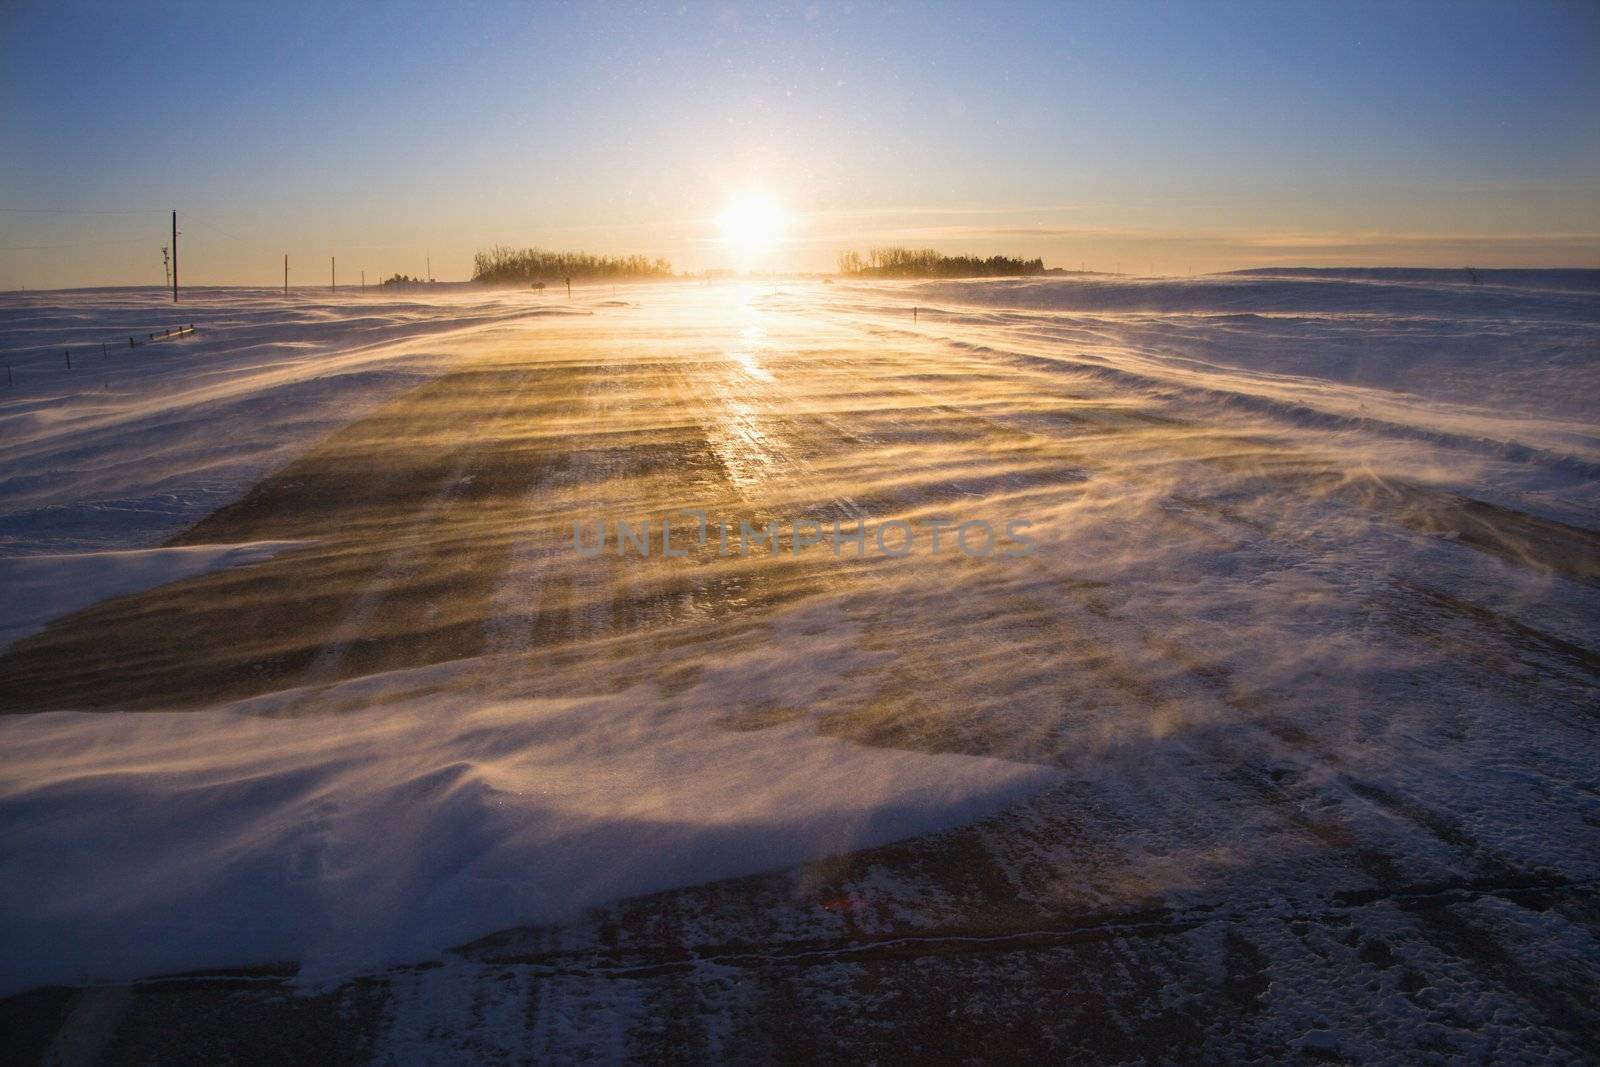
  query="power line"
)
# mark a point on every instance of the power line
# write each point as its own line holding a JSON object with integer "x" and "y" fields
{"x": 209, "y": 224}
{"x": 75, "y": 211}
{"x": 209, "y": 221}
{"x": 79, "y": 211}
{"x": 82, "y": 244}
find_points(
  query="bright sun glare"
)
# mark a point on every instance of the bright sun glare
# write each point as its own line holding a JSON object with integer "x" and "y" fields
{"x": 752, "y": 224}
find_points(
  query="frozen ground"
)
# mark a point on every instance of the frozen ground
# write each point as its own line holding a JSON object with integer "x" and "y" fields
{"x": 1281, "y": 744}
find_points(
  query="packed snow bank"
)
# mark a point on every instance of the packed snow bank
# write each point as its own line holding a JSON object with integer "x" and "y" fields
{"x": 143, "y": 844}
{"x": 41, "y": 588}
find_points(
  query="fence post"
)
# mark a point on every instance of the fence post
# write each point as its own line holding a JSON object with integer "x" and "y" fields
{"x": 69, "y": 359}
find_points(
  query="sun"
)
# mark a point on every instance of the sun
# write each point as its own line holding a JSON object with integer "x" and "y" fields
{"x": 753, "y": 224}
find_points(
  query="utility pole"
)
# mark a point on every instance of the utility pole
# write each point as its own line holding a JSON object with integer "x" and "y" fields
{"x": 286, "y": 274}
{"x": 333, "y": 273}
{"x": 363, "y": 279}
{"x": 174, "y": 255}
{"x": 427, "y": 258}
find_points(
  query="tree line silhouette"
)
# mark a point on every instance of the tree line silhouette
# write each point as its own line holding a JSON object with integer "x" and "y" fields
{"x": 897, "y": 262}
{"x": 501, "y": 264}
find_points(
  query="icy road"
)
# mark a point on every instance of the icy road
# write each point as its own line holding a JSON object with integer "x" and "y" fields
{"x": 1266, "y": 727}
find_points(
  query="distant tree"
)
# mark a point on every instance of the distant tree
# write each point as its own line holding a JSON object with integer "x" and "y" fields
{"x": 523, "y": 266}
{"x": 897, "y": 262}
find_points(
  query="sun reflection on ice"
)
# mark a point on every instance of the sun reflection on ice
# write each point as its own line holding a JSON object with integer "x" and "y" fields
{"x": 747, "y": 353}
{"x": 736, "y": 430}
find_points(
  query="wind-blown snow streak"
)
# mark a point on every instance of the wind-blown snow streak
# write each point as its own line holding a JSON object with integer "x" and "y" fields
{"x": 41, "y": 588}
{"x": 143, "y": 844}
{"x": 1495, "y": 372}
{"x": 131, "y": 444}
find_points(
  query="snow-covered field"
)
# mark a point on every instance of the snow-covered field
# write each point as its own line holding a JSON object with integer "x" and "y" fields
{"x": 1283, "y": 739}
{"x": 132, "y": 444}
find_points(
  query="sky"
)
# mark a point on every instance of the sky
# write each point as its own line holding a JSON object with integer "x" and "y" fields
{"x": 1147, "y": 138}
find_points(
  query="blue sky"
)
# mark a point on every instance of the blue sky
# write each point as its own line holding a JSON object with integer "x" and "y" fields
{"x": 1167, "y": 137}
